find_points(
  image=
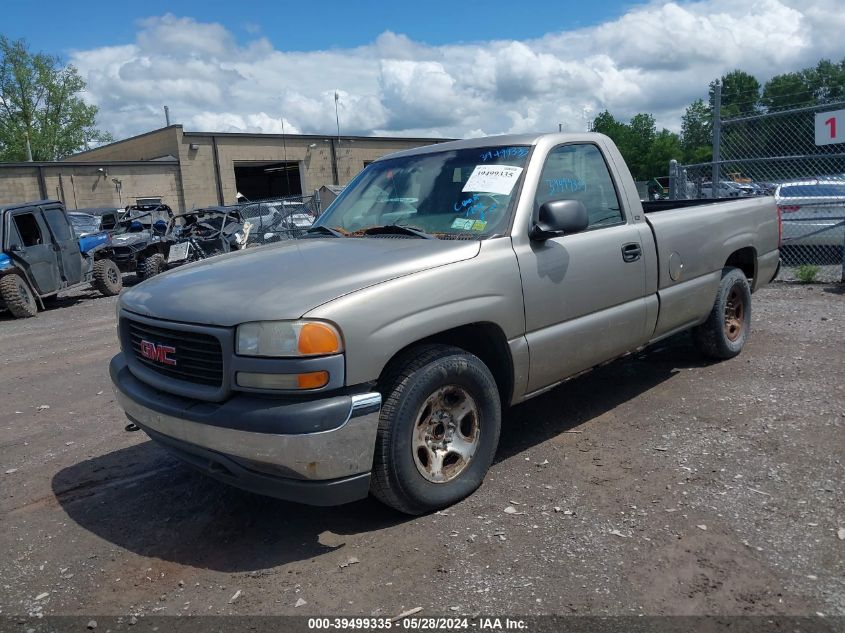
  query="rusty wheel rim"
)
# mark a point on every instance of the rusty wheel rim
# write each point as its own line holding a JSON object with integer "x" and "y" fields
{"x": 446, "y": 434}
{"x": 734, "y": 314}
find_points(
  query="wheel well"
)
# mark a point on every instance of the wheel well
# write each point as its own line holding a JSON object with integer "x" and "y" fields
{"x": 485, "y": 340}
{"x": 746, "y": 260}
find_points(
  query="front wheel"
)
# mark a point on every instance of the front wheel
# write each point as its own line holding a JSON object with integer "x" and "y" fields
{"x": 17, "y": 296}
{"x": 150, "y": 266}
{"x": 724, "y": 333}
{"x": 438, "y": 429}
{"x": 107, "y": 278}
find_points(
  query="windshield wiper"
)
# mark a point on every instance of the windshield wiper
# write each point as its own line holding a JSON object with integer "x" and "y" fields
{"x": 324, "y": 229}
{"x": 397, "y": 228}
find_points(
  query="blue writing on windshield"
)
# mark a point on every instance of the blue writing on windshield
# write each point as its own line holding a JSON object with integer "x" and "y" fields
{"x": 505, "y": 152}
{"x": 565, "y": 185}
{"x": 472, "y": 206}
{"x": 463, "y": 204}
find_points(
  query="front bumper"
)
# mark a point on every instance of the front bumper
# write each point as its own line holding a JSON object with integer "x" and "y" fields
{"x": 318, "y": 452}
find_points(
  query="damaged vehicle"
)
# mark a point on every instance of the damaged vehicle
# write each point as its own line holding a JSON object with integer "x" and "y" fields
{"x": 276, "y": 221}
{"x": 42, "y": 255}
{"x": 195, "y": 235}
{"x": 375, "y": 354}
{"x": 135, "y": 236}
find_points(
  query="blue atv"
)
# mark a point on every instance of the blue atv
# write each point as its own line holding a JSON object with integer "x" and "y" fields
{"x": 41, "y": 255}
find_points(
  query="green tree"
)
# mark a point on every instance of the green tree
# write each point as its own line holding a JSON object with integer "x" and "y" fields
{"x": 664, "y": 147}
{"x": 790, "y": 90}
{"x": 39, "y": 100}
{"x": 646, "y": 151}
{"x": 740, "y": 94}
{"x": 643, "y": 132}
{"x": 827, "y": 81}
{"x": 697, "y": 133}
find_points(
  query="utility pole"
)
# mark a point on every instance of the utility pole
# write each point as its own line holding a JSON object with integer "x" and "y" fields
{"x": 717, "y": 139}
{"x": 285, "y": 146}
{"x": 336, "y": 116}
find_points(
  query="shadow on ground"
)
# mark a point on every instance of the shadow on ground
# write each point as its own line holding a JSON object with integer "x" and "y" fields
{"x": 143, "y": 500}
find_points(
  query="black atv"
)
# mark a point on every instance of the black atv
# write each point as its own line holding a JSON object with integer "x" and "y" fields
{"x": 136, "y": 235}
{"x": 196, "y": 235}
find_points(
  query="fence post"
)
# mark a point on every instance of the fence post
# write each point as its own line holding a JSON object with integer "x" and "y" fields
{"x": 673, "y": 179}
{"x": 843, "y": 252}
{"x": 717, "y": 139}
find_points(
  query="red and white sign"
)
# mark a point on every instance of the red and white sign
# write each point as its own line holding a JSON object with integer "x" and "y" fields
{"x": 830, "y": 127}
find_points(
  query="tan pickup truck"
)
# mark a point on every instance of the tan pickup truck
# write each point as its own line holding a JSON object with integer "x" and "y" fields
{"x": 375, "y": 354}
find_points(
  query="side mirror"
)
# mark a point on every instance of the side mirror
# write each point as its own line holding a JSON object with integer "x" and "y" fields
{"x": 558, "y": 217}
{"x": 14, "y": 248}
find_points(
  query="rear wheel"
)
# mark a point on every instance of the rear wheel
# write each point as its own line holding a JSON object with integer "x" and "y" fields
{"x": 107, "y": 277}
{"x": 438, "y": 429}
{"x": 17, "y": 296}
{"x": 150, "y": 266}
{"x": 724, "y": 333}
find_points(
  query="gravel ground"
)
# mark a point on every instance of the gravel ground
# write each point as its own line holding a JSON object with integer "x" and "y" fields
{"x": 659, "y": 484}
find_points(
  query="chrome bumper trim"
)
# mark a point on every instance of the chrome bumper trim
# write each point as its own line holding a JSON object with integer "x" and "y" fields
{"x": 347, "y": 450}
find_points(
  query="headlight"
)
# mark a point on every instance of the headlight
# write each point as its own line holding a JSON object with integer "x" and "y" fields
{"x": 288, "y": 338}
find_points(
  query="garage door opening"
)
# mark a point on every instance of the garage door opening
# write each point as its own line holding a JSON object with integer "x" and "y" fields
{"x": 269, "y": 180}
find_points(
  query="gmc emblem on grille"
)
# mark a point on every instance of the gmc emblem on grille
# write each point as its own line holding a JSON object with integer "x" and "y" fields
{"x": 158, "y": 353}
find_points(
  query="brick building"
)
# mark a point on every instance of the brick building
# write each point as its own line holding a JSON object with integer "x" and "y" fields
{"x": 195, "y": 169}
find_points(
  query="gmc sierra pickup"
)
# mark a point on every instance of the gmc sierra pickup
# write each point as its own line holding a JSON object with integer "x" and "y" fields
{"x": 375, "y": 354}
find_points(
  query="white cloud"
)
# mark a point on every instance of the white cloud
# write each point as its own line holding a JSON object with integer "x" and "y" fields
{"x": 655, "y": 58}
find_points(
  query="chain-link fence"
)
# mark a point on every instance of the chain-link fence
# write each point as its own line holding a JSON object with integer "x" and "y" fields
{"x": 278, "y": 219}
{"x": 797, "y": 157}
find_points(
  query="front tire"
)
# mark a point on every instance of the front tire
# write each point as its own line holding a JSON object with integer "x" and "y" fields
{"x": 17, "y": 296}
{"x": 438, "y": 429}
{"x": 107, "y": 278}
{"x": 150, "y": 266}
{"x": 726, "y": 330}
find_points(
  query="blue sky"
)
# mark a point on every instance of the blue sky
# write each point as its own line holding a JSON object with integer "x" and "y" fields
{"x": 455, "y": 68}
{"x": 304, "y": 26}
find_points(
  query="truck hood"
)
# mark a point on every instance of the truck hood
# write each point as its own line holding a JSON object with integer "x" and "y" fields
{"x": 285, "y": 280}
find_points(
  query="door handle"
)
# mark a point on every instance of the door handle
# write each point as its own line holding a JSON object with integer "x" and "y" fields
{"x": 631, "y": 252}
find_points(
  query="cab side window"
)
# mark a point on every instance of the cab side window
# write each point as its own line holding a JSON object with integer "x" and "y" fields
{"x": 579, "y": 172}
{"x": 28, "y": 229}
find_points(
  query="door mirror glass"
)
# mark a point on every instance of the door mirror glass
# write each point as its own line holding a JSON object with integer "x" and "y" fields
{"x": 558, "y": 217}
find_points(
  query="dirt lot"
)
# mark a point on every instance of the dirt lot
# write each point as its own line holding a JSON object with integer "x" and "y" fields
{"x": 656, "y": 485}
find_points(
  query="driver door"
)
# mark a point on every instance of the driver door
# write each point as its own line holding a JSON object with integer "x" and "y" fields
{"x": 584, "y": 292}
{"x": 31, "y": 248}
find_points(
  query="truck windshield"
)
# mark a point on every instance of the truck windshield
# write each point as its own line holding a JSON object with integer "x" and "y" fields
{"x": 465, "y": 193}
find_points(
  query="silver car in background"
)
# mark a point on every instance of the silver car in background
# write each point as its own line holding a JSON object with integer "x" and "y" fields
{"x": 812, "y": 212}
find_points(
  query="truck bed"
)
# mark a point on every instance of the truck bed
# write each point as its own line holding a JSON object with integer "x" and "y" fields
{"x": 695, "y": 239}
{"x": 653, "y": 206}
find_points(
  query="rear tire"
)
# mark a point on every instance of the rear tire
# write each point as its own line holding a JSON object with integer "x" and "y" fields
{"x": 726, "y": 330}
{"x": 18, "y": 296}
{"x": 438, "y": 429}
{"x": 107, "y": 278}
{"x": 150, "y": 266}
